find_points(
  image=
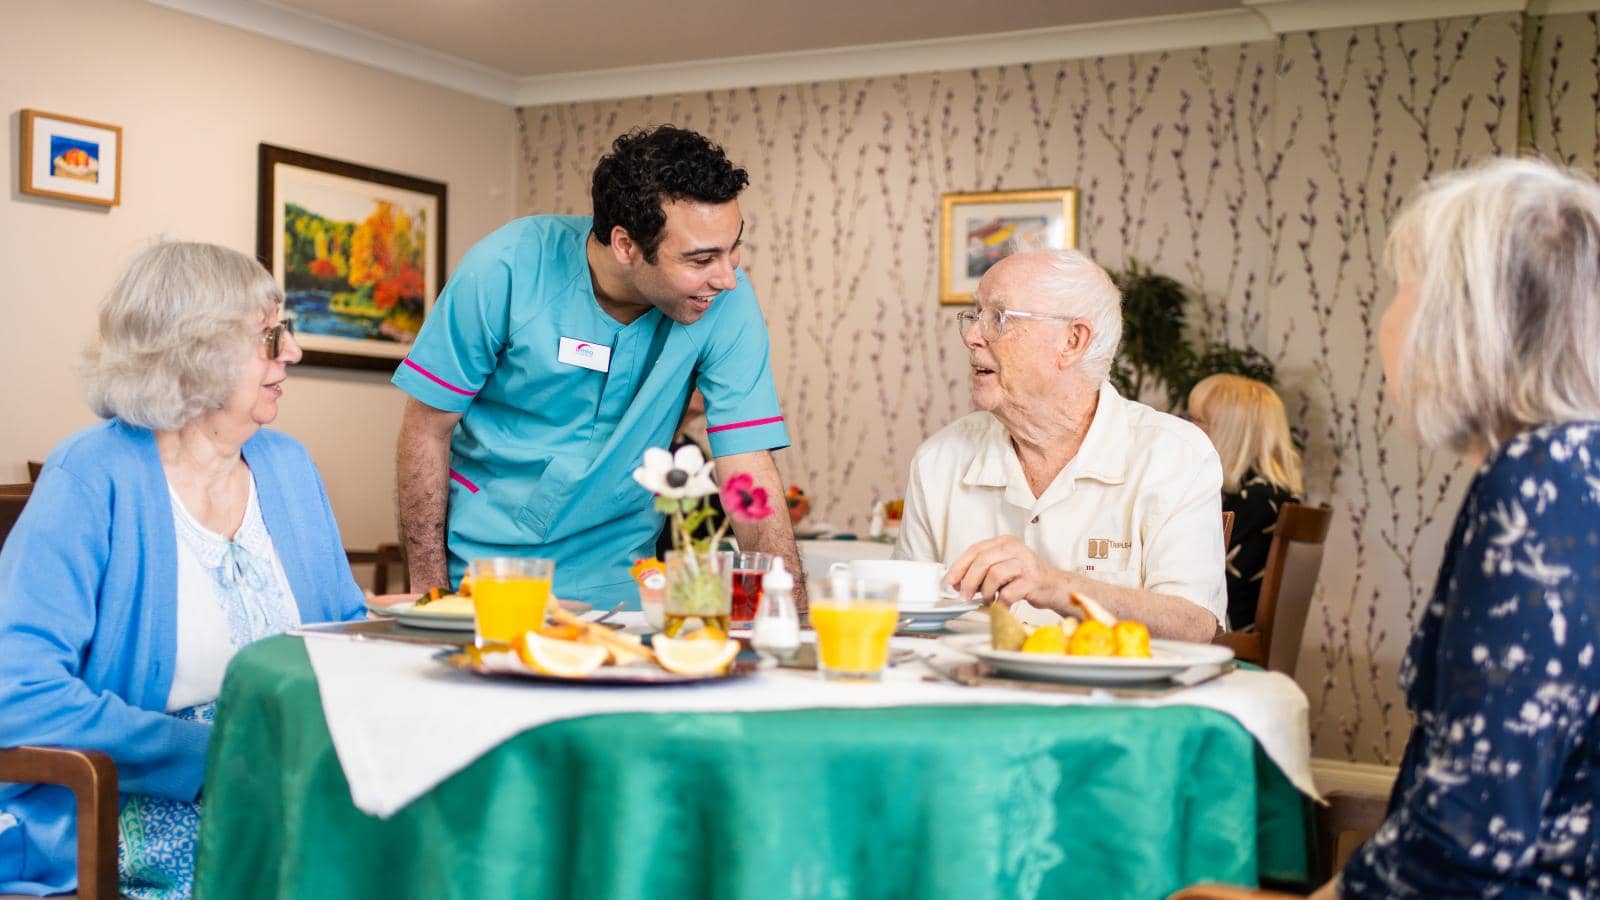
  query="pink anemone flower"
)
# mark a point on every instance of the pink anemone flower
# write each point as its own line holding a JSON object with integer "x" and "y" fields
{"x": 743, "y": 500}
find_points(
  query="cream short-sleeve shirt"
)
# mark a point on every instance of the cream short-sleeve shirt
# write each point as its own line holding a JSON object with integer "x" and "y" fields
{"x": 1139, "y": 506}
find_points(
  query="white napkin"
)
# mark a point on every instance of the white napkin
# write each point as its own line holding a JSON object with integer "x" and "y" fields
{"x": 402, "y": 722}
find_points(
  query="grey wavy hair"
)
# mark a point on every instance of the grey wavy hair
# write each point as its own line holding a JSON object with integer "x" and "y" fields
{"x": 1077, "y": 286}
{"x": 174, "y": 332}
{"x": 1505, "y": 257}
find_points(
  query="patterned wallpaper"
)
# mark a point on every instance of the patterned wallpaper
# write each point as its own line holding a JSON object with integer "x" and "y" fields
{"x": 1261, "y": 175}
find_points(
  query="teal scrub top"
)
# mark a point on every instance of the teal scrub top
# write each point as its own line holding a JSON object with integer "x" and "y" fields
{"x": 541, "y": 463}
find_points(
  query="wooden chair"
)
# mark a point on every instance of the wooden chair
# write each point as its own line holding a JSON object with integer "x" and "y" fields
{"x": 89, "y": 774}
{"x": 92, "y": 778}
{"x": 13, "y": 497}
{"x": 1348, "y": 821}
{"x": 1228, "y": 892}
{"x": 381, "y": 560}
{"x": 1287, "y": 585}
{"x": 34, "y": 468}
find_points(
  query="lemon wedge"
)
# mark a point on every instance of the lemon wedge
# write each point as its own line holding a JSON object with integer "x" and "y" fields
{"x": 564, "y": 659}
{"x": 691, "y": 656}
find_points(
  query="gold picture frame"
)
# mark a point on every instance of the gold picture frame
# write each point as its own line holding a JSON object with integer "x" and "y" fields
{"x": 313, "y": 216}
{"x": 70, "y": 158}
{"x": 992, "y": 225}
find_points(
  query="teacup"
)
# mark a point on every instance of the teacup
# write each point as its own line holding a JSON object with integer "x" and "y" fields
{"x": 918, "y": 581}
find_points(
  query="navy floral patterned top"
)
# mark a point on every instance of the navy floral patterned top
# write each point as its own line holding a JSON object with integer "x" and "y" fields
{"x": 1496, "y": 794}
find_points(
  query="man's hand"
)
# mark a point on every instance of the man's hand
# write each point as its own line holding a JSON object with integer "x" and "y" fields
{"x": 422, "y": 475}
{"x": 1002, "y": 569}
{"x": 772, "y": 534}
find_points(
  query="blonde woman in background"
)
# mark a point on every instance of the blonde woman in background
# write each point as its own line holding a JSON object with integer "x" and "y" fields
{"x": 1260, "y": 472}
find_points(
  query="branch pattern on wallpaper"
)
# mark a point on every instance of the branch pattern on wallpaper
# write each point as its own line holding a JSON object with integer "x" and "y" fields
{"x": 1265, "y": 173}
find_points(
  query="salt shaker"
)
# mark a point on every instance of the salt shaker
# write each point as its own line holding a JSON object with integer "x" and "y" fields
{"x": 776, "y": 632}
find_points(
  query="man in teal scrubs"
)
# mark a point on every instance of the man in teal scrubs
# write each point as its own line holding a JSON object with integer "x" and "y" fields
{"x": 564, "y": 347}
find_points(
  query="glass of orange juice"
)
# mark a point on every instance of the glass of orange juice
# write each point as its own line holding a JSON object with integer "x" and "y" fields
{"x": 509, "y": 596}
{"x": 853, "y": 618}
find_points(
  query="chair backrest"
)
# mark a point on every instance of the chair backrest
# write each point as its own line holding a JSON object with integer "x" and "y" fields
{"x": 12, "y": 498}
{"x": 381, "y": 560}
{"x": 1343, "y": 825}
{"x": 1289, "y": 581}
{"x": 34, "y": 468}
{"x": 1227, "y": 529}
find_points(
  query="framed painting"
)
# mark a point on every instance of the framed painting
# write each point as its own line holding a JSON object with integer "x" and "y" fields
{"x": 978, "y": 230}
{"x": 71, "y": 159}
{"x": 358, "y": 251}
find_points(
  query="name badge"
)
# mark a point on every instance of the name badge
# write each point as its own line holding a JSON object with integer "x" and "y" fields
{"x": 584, "y": 355}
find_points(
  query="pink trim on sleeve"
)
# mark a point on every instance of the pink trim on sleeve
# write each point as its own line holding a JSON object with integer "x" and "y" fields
{"x": 461, "y": 479}
{"x": 750, "y": 424}
{"x": 437, "y": 380}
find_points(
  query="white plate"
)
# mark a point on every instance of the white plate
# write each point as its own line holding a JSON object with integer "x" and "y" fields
{"x": 409, "y": 614}
{"x": 1167, "y": 658}
{"x": 932, "y": 618}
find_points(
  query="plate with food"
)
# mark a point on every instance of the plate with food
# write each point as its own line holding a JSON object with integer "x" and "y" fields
{"x": 1096, "y": 649}
{"x": 441, "y": 611}
{"x": 573, "y": 651}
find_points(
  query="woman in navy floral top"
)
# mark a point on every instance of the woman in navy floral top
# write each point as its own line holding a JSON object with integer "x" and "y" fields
{"x": 1492, "y": 350}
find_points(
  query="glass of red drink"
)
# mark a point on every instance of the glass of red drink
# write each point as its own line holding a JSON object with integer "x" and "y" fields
{"x": 748, "y": 570}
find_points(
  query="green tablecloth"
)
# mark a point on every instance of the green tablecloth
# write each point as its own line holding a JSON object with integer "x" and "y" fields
{"x": 970, "y": 802}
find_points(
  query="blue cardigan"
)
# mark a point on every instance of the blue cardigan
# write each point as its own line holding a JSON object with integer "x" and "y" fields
{"x": 88, "y": 624}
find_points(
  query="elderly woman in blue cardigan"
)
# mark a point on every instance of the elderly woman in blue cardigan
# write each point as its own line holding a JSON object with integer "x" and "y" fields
{"x": 154, "y": 546}
{"x": 1492, "y": 350}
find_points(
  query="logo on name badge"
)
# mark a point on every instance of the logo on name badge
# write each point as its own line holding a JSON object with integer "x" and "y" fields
{"x": 584, "y": 354}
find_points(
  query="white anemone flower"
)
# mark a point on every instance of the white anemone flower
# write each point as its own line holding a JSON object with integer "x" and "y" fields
{"x": 685, "y": 474}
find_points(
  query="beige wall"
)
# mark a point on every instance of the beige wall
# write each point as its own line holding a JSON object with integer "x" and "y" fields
{"x": 194, "y": 98}
{"x": 1262, "y": 175}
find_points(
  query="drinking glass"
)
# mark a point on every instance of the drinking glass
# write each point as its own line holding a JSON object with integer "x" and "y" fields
{"x": 699, "y": 586}
{"x": 509, "y": 595}
{"x": 853, "y": 618}
{"x": 749, "y": 568}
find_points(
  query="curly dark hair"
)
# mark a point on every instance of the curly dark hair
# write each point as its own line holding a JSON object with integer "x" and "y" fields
{"x": 649, "y": 167}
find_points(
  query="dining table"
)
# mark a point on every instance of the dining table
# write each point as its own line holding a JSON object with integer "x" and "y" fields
{"x": 1100, "y": 800}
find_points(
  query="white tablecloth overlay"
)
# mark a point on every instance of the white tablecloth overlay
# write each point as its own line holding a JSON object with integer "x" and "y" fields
{"x": 402, "y": 722}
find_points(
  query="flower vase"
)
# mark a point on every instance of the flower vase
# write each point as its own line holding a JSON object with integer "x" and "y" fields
{"x": 699, "y": 586}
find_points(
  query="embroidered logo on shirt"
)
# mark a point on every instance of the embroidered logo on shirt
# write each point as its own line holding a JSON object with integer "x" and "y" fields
{"x": 1100, "y": 548}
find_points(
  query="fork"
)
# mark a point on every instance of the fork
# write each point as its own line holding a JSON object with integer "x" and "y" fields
{"x": 608, "y": 613}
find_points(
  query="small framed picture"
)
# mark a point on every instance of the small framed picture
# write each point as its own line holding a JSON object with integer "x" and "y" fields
{"x": 358, "y": 251}
{"x": 70, "y": 158}
{"x": 978, "y": 230}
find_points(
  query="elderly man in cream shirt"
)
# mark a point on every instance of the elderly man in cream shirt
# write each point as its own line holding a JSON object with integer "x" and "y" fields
{"x": 1057, "y": 483}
